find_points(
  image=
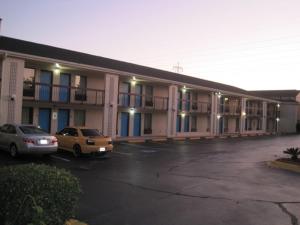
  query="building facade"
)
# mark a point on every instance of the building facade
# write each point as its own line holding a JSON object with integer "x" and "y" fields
{"x": 53, "y": 88}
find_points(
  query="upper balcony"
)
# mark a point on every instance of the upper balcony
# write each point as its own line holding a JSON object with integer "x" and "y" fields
{"x": 231, "y": 109}
{"x": 145, "y": 102}
{"x": 194, "y": 106}
{"x": 254, "y": 111}
{"x": 60, "y": 94}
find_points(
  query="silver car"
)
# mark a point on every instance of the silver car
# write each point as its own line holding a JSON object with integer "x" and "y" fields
{"x": 26, "y": 139}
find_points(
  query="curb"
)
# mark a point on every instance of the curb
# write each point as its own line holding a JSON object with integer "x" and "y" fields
{"x": 284, "y": 166}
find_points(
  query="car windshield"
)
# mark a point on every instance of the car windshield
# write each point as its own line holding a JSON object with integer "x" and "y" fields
{"x": 90, "y": 132}
{"x": 32, "y": 130}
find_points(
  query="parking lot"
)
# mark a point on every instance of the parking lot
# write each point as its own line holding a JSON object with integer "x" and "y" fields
{"x": 219, "y": 181}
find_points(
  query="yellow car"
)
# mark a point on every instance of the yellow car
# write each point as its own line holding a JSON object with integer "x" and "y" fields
{"x": 81, "y": 140}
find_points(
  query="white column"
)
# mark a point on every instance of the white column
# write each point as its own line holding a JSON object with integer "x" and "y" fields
{"x": 12, "y": 74}
{"x": 214, "y": 112}
{"x": 172, "y": 110}
{"x": 264, "y": 117}
{"x": 243, "y": 117}
{"x": 110, "y": 105}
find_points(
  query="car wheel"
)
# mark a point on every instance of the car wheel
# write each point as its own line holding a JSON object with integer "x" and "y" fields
{"x": 13, "y": 151}
{"x": 77, "y": 151}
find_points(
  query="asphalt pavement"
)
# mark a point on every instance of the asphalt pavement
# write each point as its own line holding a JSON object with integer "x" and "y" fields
{"x": 209, "y": 182}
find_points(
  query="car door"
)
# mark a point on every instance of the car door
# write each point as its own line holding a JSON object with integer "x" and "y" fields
{"x": 3, "y": 136}
{"x": 10, "y": 136}
{"x": 61, "y": 137}
{"x": 71, "y": 139}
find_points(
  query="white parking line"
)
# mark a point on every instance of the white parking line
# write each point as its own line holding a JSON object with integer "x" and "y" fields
{"x": 122, "y": 153}
{"x": 60, "y": 158}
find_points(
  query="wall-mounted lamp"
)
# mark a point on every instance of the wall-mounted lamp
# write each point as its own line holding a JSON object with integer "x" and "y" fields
{"x": 218, "y": 116}
{"x": 278, "y": 105}
{"x": 131, "y": 111}
{"x": 244, "y": 113}
{"x": 57, "y": 65}
{"x": 57, "y": 69}
{"x": 277, "y": 119}
{"x": 184, "y": 89}
{"x": 225, "y": 99}
{"x": 182, "y": 115}
{"x": 133, "y": 81}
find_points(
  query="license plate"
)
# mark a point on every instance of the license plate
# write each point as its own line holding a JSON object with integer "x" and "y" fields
{"x": 101, "y": 149}
{"x": 43, "y": 142}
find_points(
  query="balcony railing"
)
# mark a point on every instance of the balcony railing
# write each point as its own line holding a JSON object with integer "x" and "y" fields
{"x": 63, "y": 94}
{"x": 194, "y": 106}
{"x": 143, "y": 101}
{"x": 229, "y": 109}
{"x": 254, "y": 111}
{"x": 201, "y": 107}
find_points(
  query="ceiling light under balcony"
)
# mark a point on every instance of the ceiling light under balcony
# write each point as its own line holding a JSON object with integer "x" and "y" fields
{"x": 218, "y": 116}
{"x": 244, "y": 113}
{"x": 277, "y": 119}
{"x": 132, "y": 111}
{"x": 278, "y": 105}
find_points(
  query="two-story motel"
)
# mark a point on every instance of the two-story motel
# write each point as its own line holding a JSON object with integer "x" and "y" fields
{"x": 53, "y": 88}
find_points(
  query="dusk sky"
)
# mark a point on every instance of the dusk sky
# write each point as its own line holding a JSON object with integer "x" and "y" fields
{"x": 252, "y": 44}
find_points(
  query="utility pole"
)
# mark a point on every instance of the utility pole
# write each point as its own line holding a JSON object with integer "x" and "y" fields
{"x": 0, "y": 25}
{"x": 178, "y": 68}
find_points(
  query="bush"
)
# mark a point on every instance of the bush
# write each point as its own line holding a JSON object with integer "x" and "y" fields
{"x": 293, "y": 152}
{"x": 37, "y": 194}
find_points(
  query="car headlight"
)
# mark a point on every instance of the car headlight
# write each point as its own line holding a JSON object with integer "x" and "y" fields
{"x": 90, "y": 142}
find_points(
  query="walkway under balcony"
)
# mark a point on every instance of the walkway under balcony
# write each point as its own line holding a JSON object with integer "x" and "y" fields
{"x": 38, "y": 94}
{"x": 194, "y": 106}
{"x": 143, "y": 102}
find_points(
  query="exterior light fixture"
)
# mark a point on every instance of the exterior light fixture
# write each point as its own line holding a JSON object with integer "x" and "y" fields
{"x": 56, "y": 71}
{"x": 133, "y": 81}
{"x": 226, "y": 99}
{"x": 183, "y": 115}
{"x": 219, "y": 94}
{"x": 131, "y": 111}
{"x": 57, "y": 66}
{"x": 277, "y": 119}
{"x": 218, "y": 116}
{"x": 244, "y": 113}
{"x": 278, "y": 105}
{"x": 184, "y": 89}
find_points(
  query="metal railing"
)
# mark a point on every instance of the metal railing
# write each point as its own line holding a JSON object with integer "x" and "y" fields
{"x": 194, "y": 106}
{"x": 229, "y": 109}
{"x": 62, "y": 94}
{"x": 254, "y": 111}
{"x": 142, "y": 101}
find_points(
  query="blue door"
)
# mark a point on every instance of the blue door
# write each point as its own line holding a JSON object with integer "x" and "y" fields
{"x": 137, "y": 124}
{"x": 125, "y": 94}
{"x": 44, "y": 119}
{"x": 187, "y": 124}
{"x": 62, "y": 119}
{"x": 45, "y": 85}
{"x": 64, "y": 91}
{"x": 124, "y": 124}
{"x": 138, "y": 96}
{"x": 178, "y": 123}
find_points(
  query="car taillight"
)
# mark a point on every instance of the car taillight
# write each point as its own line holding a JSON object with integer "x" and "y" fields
{"x": 54, "y": 140}
{"x": 28, "y": 141}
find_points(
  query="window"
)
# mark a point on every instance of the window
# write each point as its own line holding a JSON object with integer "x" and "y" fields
{"x": 79, "y": 118}
{"x": 69, "y": 132}
{"x": 28, "y": 82}
{"x": 90, "y": 133}
{"x": 27, "y": 115}
{"x": 80, "y": 85}
{"x": 149, "y": 95}
{"x": 31, "y": 130}
{"x": 11, "y": 129}
{"x": 147, "y": 123}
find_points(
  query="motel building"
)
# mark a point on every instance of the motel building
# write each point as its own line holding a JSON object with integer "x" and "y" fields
{"x": 53, "y": 88}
